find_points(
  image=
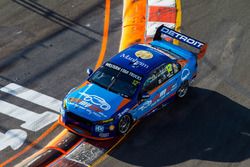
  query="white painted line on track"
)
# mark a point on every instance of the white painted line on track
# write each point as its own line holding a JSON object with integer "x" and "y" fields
{"x": 13, "y": 138}
{"x": 33, "y": 121}
{"x": 32, "y": 96}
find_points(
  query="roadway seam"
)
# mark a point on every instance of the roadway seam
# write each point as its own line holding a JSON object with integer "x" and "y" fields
{"x": 105, "y": 34}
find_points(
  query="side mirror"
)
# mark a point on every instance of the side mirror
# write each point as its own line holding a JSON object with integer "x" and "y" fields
{"x": 89, "y": 71}
{"x": 145, "y": 96}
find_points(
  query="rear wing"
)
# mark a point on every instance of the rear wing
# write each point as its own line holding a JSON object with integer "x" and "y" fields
{"x": 201, "y": 46}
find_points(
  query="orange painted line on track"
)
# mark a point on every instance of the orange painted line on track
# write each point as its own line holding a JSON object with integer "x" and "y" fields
{"x": 105, "y": 34}
{"x": 56, "y": 148}
{"x": 178, "y": 19}
{"x": 56, "y": 140}
{"x": 134, "y": 28}
{"x": 53, "y": 144}
{"x": 64, "y": 152}
{"x": 133, "y": 31}
{"x": 47, "y": 132}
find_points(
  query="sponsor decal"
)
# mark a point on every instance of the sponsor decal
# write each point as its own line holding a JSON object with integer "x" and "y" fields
{"x": 173, "y": 87}
{"x": 99, "y": 114}
{"x": 99, "y": 128}
{"x": 158, "y": 97}
{"x": 135, "y": 82}
{"x": 103, "y": 115}
{"x": 112, "y": 127}
{"x": 193, "y": 42}
{"x": 123, "y": 112}
{"x": 75, "y": 100}
{"x": 143, "y": 54}
{"x": 78, "y": 130}
{"x": 115, "y": 67}
{"x": 95, "y": 108}
{"x": 88, "y": 100}
{"x": 169, "y": 68}
{"x": 104, "y": 134}
{"x": 87, "y": 107}
{"x": 79, "y": 101}
{"x": 145, "y": 105}
{"x": 135, "y": 61}
{"x": 185, "y": 73}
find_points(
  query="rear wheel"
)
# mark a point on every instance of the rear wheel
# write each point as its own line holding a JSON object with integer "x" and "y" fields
{"x": 124, "y": 124}
{"x": 182, "y": 91}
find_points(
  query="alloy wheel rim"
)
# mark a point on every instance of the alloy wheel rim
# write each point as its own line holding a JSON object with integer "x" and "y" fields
{"x": 183, "y": 91}
{"x": 124, "y": 124}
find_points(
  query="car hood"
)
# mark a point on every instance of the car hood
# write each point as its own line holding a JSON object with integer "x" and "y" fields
{"x": 93, "y": 102}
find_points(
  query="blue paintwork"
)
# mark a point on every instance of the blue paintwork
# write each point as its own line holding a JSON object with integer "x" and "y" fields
{"x": 181, "y": 37}
{"x": 152, "y": 63}
{"x": 174, "y": 49}
{"x": 105, "y": 105}
{"x": 109, "y": 100}
{"x": 164, "y": 92}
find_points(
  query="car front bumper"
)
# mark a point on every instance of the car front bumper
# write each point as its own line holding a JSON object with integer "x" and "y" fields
{"x": 93, "y": 131}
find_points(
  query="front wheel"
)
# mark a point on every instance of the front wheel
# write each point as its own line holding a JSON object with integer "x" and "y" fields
{"x": 182, "y": 91}
{"x": 124, "y": 124}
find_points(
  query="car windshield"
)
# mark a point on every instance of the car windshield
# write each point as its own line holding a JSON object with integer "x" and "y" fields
{"x": 116, "y": 79}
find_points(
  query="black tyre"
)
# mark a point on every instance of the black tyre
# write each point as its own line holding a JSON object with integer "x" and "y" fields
{"x": 182, "y": 91}
{"x": 124, "y": 124}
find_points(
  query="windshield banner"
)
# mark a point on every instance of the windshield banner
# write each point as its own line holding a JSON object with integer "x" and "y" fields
{"x": 115, "y": 67}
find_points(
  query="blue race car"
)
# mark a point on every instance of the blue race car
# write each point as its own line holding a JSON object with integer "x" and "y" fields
{"x": 131, "y": 85}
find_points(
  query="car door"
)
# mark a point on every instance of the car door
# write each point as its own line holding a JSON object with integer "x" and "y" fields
{"x": 161, "y": 84}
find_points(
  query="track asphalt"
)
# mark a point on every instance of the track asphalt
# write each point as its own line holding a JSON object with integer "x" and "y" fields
{"x": 211, "y": 126}
{"x": 47, "y": 45}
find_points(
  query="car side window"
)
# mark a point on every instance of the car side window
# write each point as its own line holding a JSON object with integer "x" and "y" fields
{"x": 158, "y": 76}
{"x": 151, "y": 82}
{"x": 176, "y": 67}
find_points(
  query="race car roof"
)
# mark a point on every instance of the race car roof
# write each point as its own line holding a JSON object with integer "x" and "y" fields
{"x": 140, "y": 59}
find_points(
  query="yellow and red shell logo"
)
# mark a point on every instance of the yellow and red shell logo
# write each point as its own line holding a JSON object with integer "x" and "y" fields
{"x": 143, "y": 54}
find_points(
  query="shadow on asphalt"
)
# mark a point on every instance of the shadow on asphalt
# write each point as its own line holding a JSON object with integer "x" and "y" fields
{"x": 56, "y": 17}
{"x": 66, "y": 23}
{"x": 205, "y": 125}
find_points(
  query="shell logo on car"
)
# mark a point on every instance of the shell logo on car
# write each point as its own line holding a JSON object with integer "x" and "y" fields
{"x": 144, "y": 54}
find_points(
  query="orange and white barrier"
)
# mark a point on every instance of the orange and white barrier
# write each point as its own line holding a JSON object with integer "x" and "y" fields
{"x": 142, "y": 17}
{"x": 160, "y": 12}
{"x": 134, "y": 21}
